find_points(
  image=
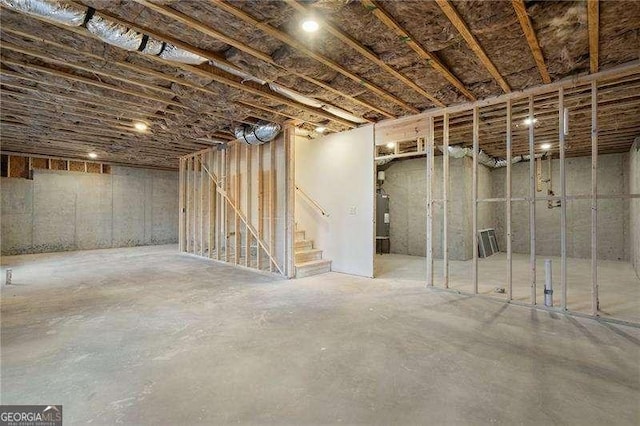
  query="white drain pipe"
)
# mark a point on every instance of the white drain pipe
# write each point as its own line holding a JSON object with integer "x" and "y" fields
{"x": 548, "y": 284}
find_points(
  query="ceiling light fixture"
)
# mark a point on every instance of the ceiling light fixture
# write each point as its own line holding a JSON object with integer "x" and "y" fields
{"x": 140, "y": 126}
{"x": 93, "y": 155}
{"x": 310, "y": 26}
{"x": 391, "y": 145}
{"x": 528, "y": 121}
{"x": 546, "y": 146}
{"x": 321, "y": 129}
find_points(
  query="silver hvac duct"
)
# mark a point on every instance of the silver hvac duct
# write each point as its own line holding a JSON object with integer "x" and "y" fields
{"x": 258, "y": 134}
{"x": 457, "y": 151}
{"x": 75, "y": 15}
{"x": 70, "y": 14}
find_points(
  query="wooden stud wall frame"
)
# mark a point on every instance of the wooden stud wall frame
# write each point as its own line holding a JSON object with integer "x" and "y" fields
{"x": 236, "y": 204}
{"x": 420, "y": 129}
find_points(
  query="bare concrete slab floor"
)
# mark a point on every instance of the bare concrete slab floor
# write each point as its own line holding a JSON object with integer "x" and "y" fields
{"x": 148, "y": 336}
{"x": 619, "y": 286}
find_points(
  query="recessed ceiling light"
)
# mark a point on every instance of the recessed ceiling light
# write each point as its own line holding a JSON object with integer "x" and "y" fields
{"x": 528, "y": 121}
{"x": 391, "y": 145}
{"x": 93, "y": 155}
{"x": 321, "y": 129}
{"x": 545, "y": 146}
{"x": 310, "y": 26}
{"x": 140, "y": 126}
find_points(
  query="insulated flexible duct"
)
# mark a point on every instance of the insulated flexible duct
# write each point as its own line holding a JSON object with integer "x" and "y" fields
{"x": 259, "y": 134}
{"x": 70, "y": 14}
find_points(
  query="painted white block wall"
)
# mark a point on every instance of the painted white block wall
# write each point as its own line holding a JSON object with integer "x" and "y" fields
{"x": 337, "y": 171}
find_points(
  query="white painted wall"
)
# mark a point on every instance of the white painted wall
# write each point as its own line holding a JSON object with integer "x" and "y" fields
{"x": 337, "y": 171}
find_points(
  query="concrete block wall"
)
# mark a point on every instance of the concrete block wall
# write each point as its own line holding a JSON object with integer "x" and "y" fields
{"x": 61, "y": 210}
{"x": 634, "y": 188}
{"x": 613, "y": 215}
{"x": 405, "y": 182}
{"x": 406, "y": 185}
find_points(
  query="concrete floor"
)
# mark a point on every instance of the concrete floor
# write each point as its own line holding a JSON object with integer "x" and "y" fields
{"x": 619, "y": 286}
{"x": 148, "y": 336}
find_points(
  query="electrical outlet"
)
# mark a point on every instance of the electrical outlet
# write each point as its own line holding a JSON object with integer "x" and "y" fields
{"x": 352, "y": 211}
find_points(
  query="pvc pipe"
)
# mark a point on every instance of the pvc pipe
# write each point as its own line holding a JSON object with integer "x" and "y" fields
{"x": 548, "y": 284}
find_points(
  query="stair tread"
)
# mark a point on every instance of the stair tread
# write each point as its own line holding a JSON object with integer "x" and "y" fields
{"x": 308, "y": 251}
{"x": 313, "y": 263}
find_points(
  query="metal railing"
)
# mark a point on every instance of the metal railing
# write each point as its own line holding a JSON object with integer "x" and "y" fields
{"x": 313, "y": 202}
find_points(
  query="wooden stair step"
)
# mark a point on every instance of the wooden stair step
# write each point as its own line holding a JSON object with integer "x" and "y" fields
{"x": 303, "y": 256}
{"x": 303, "y": 245}
{"x": 314, "y": 267}
{"x": 300, "y": 235}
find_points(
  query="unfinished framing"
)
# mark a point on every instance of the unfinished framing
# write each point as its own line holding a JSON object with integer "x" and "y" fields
{"x": 236, "y": 204}
{"x": 588, "y": 100}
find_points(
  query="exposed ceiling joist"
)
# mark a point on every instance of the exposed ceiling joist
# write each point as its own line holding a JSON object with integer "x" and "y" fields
{"x": 593, "y": 19}
{"x": 410, "y": 41}
{"x": 204, "y": 29}
{"x": 532, "y": 39}
{"x": 367, "y": 53}
{"x": 465, "y": 32}
{"x": 91, "y": 82}
{"x": 286, "y": 38}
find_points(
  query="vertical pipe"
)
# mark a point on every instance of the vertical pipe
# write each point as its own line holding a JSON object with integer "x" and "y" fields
{"x": 532, "y": 202}
{"x": 509, "y": 205}
{"x": 474, "y": 196}
{"x": 430, "y": 162}
{"x": 548, "y": 284}
{"x": 563, "y": 116}
{"x": 595, "y": 303}
{"x": 445, "y": 197}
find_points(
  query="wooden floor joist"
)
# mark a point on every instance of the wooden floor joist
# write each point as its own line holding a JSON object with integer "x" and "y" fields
{"x": 449, "y": 10}
{"x": 530, "y": 34}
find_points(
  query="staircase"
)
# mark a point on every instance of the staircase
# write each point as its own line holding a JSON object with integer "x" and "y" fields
{"x": 308, "y": 260}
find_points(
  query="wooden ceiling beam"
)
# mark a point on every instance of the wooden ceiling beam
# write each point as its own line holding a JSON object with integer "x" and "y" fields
{"x": 532, "y": 39}
{"x": 127, "y": 80}
{"x": 194, "y": 24}
{"x": 91, "y": 82}
{"x": 105, "y": 99}
{"x": 472, "y": 42}
{"x": 367, "y": 53}
{"x": 593, "y": 20}
{"x": 115, "y": 110}
{"x": 208, "y": 72}
{"x": 432, "y": 60}
{"x": 289, "y": 40}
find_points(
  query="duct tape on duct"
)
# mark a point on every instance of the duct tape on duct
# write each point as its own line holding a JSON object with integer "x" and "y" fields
{"x": 257, "y": 135}
{"x": 71, "y": 14}
{"x": 114, "y": 33}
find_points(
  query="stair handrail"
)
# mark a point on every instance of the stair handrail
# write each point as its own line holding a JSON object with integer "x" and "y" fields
{"x": 312, "y": 201}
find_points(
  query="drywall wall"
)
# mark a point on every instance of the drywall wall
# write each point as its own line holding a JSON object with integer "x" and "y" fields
{"x": 60, "y": 210}
{"x": 405, "y": 183}
{"x": 613, "y": 215}
{"x": 337, "y": 171}
{"x": 634, "y": 205}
